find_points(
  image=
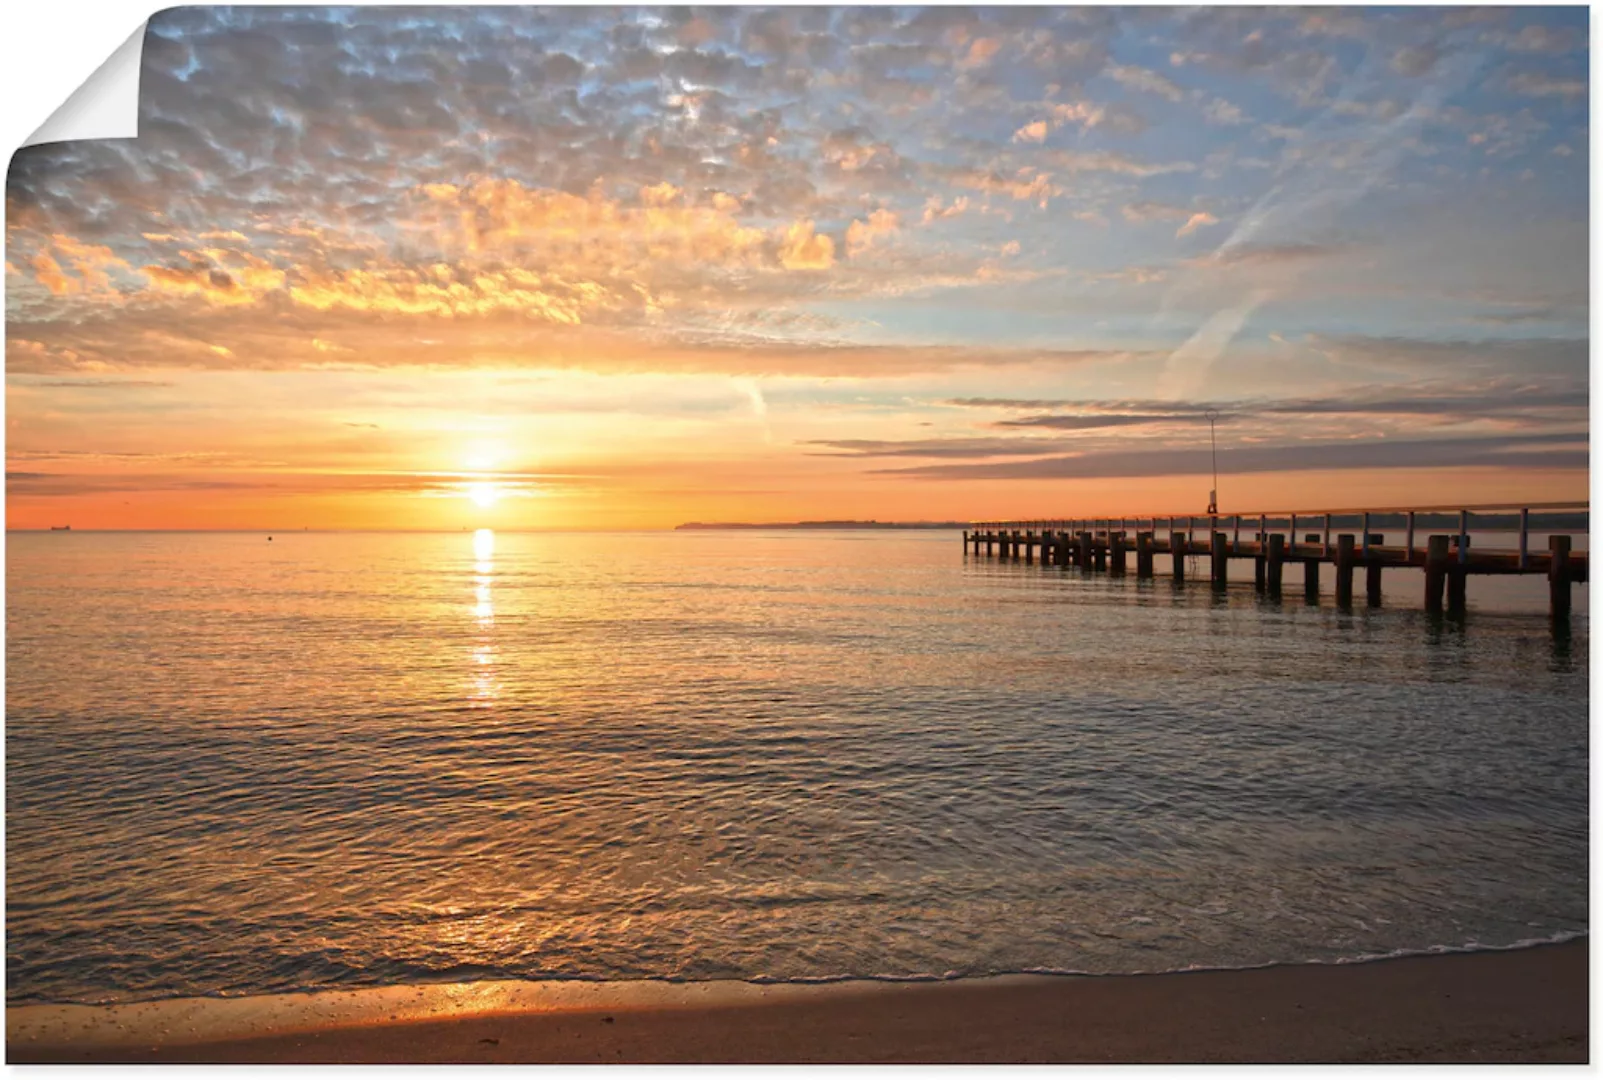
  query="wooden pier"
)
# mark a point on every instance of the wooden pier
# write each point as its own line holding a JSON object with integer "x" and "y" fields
{"x": 1410, "y": 537}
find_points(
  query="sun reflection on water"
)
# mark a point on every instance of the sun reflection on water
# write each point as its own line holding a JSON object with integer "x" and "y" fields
{"x": 484, "y": 686}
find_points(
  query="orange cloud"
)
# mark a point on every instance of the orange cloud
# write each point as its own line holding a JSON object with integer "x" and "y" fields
{"x": 802, "y": 249}
{"x": 862, "y": 235}
{"x": 980, "y": 52}
{"x": 443, "y": 291}
{"x": 90, "y": 261}
{"x": 934, "y": 211}
{"x": 221, "y": 278}
{"x": 1026, "y": 184}
{"x": 1195, "y": 222}
{"x": 1033, "y": 132}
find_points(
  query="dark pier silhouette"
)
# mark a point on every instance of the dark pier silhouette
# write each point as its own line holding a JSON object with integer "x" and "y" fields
{"x": 1437, "y": 540}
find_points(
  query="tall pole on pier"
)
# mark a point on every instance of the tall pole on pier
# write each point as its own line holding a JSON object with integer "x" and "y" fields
{"x": 1213, "y": 493}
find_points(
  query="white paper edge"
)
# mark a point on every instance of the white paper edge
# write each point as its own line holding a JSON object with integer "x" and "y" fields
{"x": 106, "y": 106}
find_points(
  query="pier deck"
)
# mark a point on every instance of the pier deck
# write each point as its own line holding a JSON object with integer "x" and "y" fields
{"x": 1412, "y": 537}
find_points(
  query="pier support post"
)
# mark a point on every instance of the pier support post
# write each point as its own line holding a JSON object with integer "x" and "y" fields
{"x": 1372, "y": 584}
{"x": 1143, "y": 554}
{"x": 1310, "y": 580}
{"x": 990, "y": 540}
{"x": 1258, "y": 565}
{"x": 1029, "y": 547}
{"x": 1219, "y": 549}
{"x": 1558, "y": 576}
{"x": 1275, "y": 564}
{"x": 1457, "y": 579}
{"x": 1344, "y": 570}
{"x": 1100, "y": 551}
{"x": 1085, "y": 551}
{"x": 1116, "y": 560}
{"x": 1435, "y": 573}
{"x": 1177, "y": 554}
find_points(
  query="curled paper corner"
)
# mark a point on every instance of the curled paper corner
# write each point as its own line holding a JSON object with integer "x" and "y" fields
{"x": 106, "y": 106}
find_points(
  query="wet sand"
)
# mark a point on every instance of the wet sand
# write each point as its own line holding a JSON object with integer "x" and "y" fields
{"x": 1527, "y": 1005}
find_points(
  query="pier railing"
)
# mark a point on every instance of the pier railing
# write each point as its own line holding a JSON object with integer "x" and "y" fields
{"x": 1273, "y": 539}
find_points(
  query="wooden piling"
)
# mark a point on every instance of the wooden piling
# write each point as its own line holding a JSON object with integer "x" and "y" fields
{"x": 1457, "y": 579}
{"x": 1177, "y": 554}
{"x": 1344, "y": 570}
{"x": 1219, "y": 549}
{"x": 1275, "y": 564}
{"x": 1029, "y": 547}
{"x": 1435, "y": 572}
{"x": 1116, "y": 560}
{"x": 1372, "y": 584}
{"x": 1258, "y": 565}
{"x": 1558, "y": 576}
{"x": 1100, "y": 551}
{"x": 1143, "y": 554}
{"x": 1310, "y": 579}
{"x": 1085, "y": 551}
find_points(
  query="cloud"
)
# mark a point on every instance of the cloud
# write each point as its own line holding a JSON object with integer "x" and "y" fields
{"x": 1557, "y": 451}
{"x": 1026, "y": 184}
{"x": 1414, "y": 60}
{"x": 980, "y": 53}
{"x": 1074, "y": 161}
{"x": 1031, "y": 132}
{"x": 99, "y": 384}
{"x": 1271, "y": 254}
{"x": 1145, "y": 80}
{"x": 1466, "y": 400}
{"x": 87, "y": 267}
{"x": 863, "y": 234}
{"x": 966, "y": 448}
{"x": 1149, "y": 210}
{"x": 935, "y": 211}
{"x": 1541, "y": 84}
{"x": 1084, "y": 115}
{"x": 572, "y": 187}
{"x": 221, "y": 278}
{"x": 1220, "y": 111}
{"x": 801, "y": 249}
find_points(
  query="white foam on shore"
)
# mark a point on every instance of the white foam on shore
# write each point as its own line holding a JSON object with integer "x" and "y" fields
{"x": 183, "y": 1021}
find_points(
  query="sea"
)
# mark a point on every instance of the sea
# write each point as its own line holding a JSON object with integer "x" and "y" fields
{"x": 242, "y": 765}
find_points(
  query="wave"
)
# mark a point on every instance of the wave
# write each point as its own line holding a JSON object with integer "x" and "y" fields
{"x": 484, "y": 976}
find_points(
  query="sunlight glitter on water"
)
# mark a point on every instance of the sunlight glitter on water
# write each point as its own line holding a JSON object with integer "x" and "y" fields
{"x": 371, "y": 760}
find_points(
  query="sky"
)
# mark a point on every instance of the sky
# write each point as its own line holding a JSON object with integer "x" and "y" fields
{"x": 574, "y": 268}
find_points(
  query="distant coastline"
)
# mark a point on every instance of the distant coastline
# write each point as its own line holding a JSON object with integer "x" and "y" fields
{"x": 822, "y": 525}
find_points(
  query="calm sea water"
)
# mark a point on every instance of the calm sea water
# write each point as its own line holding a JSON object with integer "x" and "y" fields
{"x": 236, "y": 766}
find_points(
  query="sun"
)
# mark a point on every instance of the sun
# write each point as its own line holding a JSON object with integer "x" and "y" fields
{"x": 484, "y": 493}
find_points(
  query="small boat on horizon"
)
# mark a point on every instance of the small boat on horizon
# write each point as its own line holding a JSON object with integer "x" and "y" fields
{"x": 61, "y": 528}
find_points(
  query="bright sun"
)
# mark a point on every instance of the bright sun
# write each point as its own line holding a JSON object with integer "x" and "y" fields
{"x": 483, "y": 493}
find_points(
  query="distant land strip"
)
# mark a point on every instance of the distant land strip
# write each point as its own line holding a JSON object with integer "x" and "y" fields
{"x": 823, "y": 525}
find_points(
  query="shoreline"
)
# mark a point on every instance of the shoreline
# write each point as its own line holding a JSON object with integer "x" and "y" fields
{"x": 1517, "y": 1004}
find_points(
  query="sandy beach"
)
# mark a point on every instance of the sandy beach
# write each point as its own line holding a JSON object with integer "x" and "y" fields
{"x": 1527, "y": 1005}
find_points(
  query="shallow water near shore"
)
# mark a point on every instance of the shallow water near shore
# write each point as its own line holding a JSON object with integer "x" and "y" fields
{"x": 339, "y": 760}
